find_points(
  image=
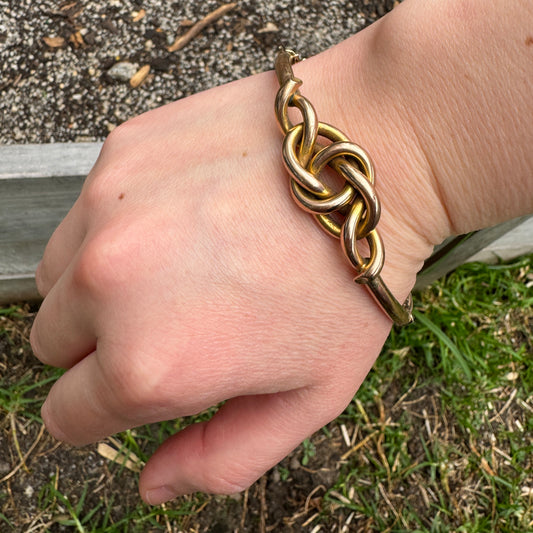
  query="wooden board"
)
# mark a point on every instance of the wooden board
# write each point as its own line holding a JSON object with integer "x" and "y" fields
{"x": 502, "y": 242}
{"x": 512, "y": 244}
{"x": 39, "y": 184}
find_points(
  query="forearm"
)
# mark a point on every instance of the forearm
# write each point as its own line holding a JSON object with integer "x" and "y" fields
{"x": 460, "y": 75}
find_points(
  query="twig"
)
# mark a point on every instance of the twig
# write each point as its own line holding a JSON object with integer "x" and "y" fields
{"x": 525, "y": 404}
{"x": 392, "y": 508}
{"x": 27, "y": 454}
{"x": 505, "y": 407}
{"x": 310, "y": 495}
{"x": 381, "y": 438}
{"x": 244, "y": 511}
{"x": 503, "y": 454}
{"x": 16, "y": 441}
{"x": 427, "y": 424}
{"x": 359, "y": 445}
{"x": 345, "y": 435}
{"x": 340, "y": 497}
{"x": 167, "y": 521}
{"x": 194, "y": 30}
{"x": 122, "y": 456}
{"x": 310, "y": 520}
{"x": 403, "y": 396}
{"x": 264, "y": 508}
{"x": 347, "y": 522}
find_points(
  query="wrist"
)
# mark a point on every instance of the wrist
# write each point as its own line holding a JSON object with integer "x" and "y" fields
{"x": 458, "y": 75}
{"x": 413, "y": 218}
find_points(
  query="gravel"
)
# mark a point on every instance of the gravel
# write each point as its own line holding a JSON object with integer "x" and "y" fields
{"x": 65, "y": 66}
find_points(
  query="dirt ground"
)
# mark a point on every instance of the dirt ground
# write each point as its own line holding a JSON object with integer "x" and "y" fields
{"x": 65, "y": 66}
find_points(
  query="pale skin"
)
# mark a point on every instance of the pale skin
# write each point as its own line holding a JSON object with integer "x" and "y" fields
{"x": 184, "y": 275}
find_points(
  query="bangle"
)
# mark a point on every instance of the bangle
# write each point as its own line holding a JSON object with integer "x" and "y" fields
{"x": 351, "y": 214}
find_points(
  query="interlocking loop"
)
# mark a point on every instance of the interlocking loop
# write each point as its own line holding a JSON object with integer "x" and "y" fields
{"x": 353, "y": 212}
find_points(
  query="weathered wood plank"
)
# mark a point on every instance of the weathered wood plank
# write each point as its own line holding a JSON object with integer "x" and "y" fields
{"x": 455, "y": 252}
{"x": 47, "y": 160}
{"x": 39, "y": 184}
{"x": 514, "y": 243}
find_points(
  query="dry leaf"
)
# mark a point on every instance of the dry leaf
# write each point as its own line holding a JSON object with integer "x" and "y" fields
{"x": 138, "y": 15}
{"x": 77, "y": 39}
{"x": 270, "y": 27}
{"x": 139, "y": 76}
{"x": 54, "y": 42}
{"x": 485, "y": 466}
{"x": 126, "y": 459}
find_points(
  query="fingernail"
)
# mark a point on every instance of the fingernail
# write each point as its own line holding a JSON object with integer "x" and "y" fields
{"x": 159, "y": 495}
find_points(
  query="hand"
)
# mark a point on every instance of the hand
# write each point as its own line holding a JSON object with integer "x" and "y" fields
{"x": 184, "y": 275}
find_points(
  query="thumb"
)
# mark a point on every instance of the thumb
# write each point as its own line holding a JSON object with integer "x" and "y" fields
{"x": 245, "y": 438}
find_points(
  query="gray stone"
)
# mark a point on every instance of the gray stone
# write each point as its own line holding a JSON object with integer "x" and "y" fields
{"x": 122, "y": 71}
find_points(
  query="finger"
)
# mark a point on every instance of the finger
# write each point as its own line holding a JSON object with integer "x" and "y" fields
{"x": 225, "y": 455}
{"x": 76, "y": 410}
{"x": 60, "y": 250}
{"x": 62, "y": 332}
{"x": 101, "y": 395}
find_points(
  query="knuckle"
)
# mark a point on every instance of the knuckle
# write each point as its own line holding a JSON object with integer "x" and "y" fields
{"x": 119, "y": 140}
{"x": 137, "y": 388}
{"x": 103, "y": 266}
{"x": 123, "y": 134}
{"x": 95, "y": 192}
{"x": 116, "y": 159}
{"x": 101, "y": 188}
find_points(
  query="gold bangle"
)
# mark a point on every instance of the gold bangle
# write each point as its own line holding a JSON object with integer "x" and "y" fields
{"x": 351, "y": 214}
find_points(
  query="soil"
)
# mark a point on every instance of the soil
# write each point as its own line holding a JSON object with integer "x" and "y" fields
{"x": 58, "y": 58}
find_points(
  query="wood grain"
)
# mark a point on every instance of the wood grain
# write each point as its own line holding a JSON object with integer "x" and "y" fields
{"x": 40, "y": 183}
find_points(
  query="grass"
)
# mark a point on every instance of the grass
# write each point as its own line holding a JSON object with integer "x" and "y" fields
{"x": 438, "y": 439}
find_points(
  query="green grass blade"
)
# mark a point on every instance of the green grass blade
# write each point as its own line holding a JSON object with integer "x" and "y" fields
{"x": 446, "y": 341}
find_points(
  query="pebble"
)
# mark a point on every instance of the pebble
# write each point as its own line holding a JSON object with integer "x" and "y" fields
{"x": 4, "y": 468}
{"x": 275, "y": 476}
{"x": 122, "y": 71}
{"x": 294, "y": 464}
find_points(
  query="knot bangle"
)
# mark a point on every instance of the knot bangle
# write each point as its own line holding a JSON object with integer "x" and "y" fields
{"x": 350, "y": 214}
